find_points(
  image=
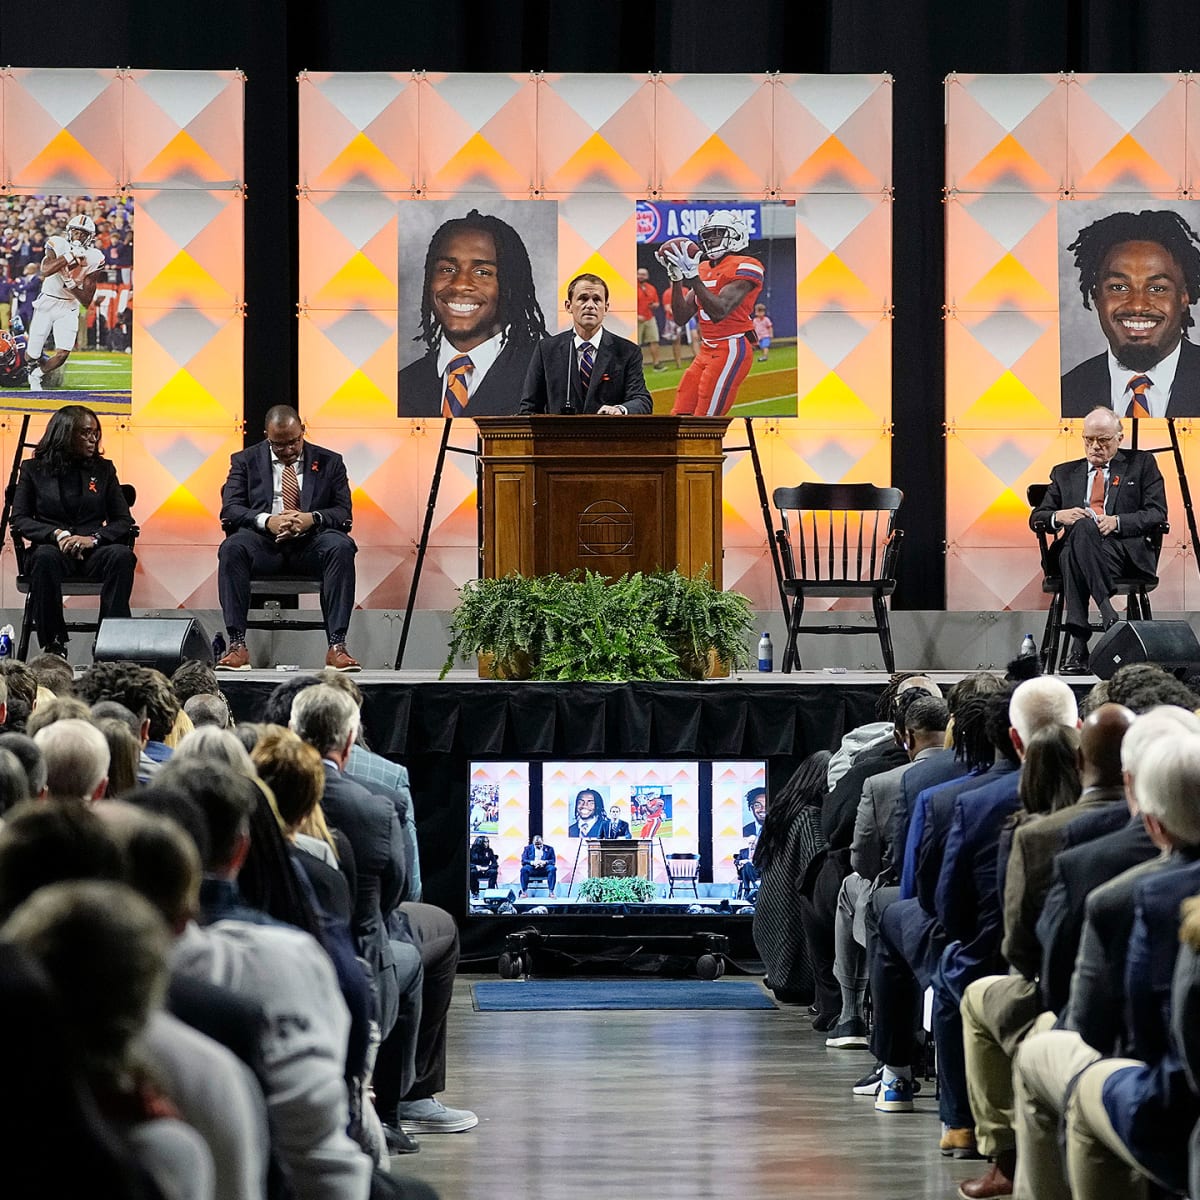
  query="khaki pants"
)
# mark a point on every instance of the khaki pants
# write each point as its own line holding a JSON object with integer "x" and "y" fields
{"x": 1099, "y": 1164}
{"x": 997, "y": 1012}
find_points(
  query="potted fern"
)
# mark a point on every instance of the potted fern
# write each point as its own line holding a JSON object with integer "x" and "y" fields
{"x": 617, "y": 890}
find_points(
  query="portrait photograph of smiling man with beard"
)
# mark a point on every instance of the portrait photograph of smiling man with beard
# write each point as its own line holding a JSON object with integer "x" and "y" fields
{"x": 1140, "y": 274}
{"x": 476, "y": 304}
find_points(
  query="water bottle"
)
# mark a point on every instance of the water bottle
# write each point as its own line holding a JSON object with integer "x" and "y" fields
{"x": 1028, "y": 647}
{"x": 7, "y": 636}
{"x": 766, "y": 653}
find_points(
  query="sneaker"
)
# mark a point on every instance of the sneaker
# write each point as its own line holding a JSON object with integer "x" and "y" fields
{"x": 340, "y": 660}
{"x": 894, "y": 1095}
{"x": 432, "y": 1116}
{"x": 824, "y": 1022}
{"x": 848, "y": 1035}
{"x": 236, "y": 658}
{"x": 868, "y": 1085}
{"x": 958, "y": 1143}
{"x": 399, "y": 1142}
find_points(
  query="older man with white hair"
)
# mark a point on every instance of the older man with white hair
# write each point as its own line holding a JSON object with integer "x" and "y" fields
{"x": 1070, "y": 1069}
{"x": 77, "y": 758}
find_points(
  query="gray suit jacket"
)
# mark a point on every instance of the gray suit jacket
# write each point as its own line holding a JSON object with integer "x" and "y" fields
{"x": 871, "y": 851}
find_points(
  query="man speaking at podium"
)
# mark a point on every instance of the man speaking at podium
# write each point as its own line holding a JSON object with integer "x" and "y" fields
{"x": 586, "y": 369}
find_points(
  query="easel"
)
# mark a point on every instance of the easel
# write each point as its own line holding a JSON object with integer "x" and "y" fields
{"x": 435, "y": 484}
{"x": 444, "y": 448}
{"x": 1181, "y": 472}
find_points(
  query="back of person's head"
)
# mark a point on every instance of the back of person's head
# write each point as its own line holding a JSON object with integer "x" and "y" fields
{"x": 1097, "y": 695}
{"x": 248, "y": 734}
{"x": 124, "y": 755}
{"x": 20, "y": 683}
{"x": 53, "y": 673}
{"x": 1166, "y": 721}
{"x": 194, "y": 678}
{"x": 904, "y": 701}
{"x": 974, "y": 728}
{"x": 161, "y": 860}
{"x": 205, "y": 709}
{"x": 981, "y": 683}
{"x": 1156, "y": 692}
{"x": 1167, "y": 787}
{"x": 30, "y": 757}
{"x": 277, "y": 710}
{"x": 105, "y": 710}
{"x": 1100, "y": 739}
{"x": 341, "y": 681}
{"x": 1132, "y": 678}
{"x": 48, "y": 842}
{"x": 210, "y": 744}
{"x": 14, "y": 783}
{"x": 292, "y": 769}
{"x": 900, "y": 682}
{"x": 225, "y": 797}
{"x": 76, "y": 755}
{"x": 925, "y": 716}
{"x": 1039, "y": 702}
{"x": 1050, "y": 775}
{"x": 806, "y": 788}
{"x": 104, "y": 949}
{"x": 143, "y": 690}
{"x": 173, "y": 803}
{"x": 324, "y": 717}
{"x": 58, "y": 709}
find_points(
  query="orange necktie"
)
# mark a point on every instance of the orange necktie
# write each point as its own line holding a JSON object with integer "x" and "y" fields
{"x": 1096, "y": 500}
{"x": 289, "y": 488}
{"x": 454, "y": 402}
{"x": 1139, "y": 406}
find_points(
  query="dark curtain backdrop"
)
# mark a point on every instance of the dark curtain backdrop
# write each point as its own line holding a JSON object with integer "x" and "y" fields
{"x": 918, "y": 41}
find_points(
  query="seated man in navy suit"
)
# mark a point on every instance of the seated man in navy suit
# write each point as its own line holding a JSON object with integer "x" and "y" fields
{"x": 538, "y": 862}
{"x": 586, "y": 369}
{"x": 285, "y": 509}
{"x": 1106, "y": 502}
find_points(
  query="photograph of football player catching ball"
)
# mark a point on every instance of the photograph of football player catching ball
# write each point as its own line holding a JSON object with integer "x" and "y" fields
{"x": 725, "y": 272}
{"x": 66, "y": 301}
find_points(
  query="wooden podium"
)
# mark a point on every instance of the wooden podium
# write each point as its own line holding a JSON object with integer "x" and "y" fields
{"x": 620, "y": 858}
{"x": 612, "y": 494}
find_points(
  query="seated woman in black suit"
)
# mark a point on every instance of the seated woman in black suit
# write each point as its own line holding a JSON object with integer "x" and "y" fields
{"x": 484, "y": 864}
{"x": 69, "y": 506}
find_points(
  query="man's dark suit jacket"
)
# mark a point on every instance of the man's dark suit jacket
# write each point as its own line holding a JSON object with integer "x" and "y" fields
{"x": 498, "y": 393}
{"x": 1078, "y": 872}
{"x": 840, "y": 807}
{"x": 1087, "y": 386}
{"x": 548, "y": 856}
{"x": 248, "y": 490}
{"x": 1136, "y": 494}
{"x": 938, "y": 768}
{"x": 618, "y": 829}
{"x": 616, "y": 377}
{"x": 39, "y": 507}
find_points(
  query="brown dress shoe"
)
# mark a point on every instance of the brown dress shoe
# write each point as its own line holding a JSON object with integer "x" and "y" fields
{"x": 958, "y": 1142}
{"x": 237, "y": 659}
{"x": 339, "y": 659}
{"x": 997, "y": 1181}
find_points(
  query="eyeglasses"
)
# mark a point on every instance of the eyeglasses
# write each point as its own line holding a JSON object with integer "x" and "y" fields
{"x": 90, "y": 435}
{"x": 1099, "y": 441}
{"x": 286, "y": 445}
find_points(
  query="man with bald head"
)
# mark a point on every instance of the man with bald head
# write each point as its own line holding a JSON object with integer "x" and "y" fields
{"x": 285, "y": 510}
{"x": 1102, "y": 507}
{"x": 999, "y": 1010}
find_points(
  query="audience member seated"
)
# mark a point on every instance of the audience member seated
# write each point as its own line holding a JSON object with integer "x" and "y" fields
{"x": 787, "y": 857}
{"x": 14, "y": 783}
{"x": 1128, "y": 1117}
{"x": 52, "y": 674}
{"x": 105, "y": 952}
{"x": 147, "y": 694}
{"x": 999, "y": 1010}
{"x": 484, "y": 864}
{"x": 920, "y": 730}
{"x": 538, "y": 862}
{"x": 747, "y": 872}
{"x": 204, "y": 709}
{"x": 54, "y": 709}
{"x": 76, "y": 757}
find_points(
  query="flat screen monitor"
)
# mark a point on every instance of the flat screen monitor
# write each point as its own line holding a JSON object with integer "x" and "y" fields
{"x": 710, "y": 808}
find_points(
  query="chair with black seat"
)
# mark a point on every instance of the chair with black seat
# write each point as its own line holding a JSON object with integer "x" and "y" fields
{"x": 1135, "y": 588}
{"x": 845, "y": 544}
{"x": 272, "y": 596}
{"x": 70, "y": 587}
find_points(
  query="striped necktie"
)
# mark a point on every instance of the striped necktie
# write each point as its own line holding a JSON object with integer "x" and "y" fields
{"x": 586, "y": 356}
{"x": 289, "y": 489}
{"x": 1139, "y": 406}
{"x": 454, "y": 402}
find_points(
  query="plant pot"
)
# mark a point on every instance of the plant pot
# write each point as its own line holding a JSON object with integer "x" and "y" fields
{"x": 515, "y": 666}
{"x": 707, "y": 667}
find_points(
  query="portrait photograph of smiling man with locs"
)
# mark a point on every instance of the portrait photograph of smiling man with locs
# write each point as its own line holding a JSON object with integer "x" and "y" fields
{"x": 1140, "y": 274}
{"x": 479, "y": 318}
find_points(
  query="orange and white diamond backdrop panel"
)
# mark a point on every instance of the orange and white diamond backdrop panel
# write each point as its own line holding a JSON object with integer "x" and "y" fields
{"x": 173, "y": 140}
{"x": 595, "y": 145}
{"x": 1017, "y": 148}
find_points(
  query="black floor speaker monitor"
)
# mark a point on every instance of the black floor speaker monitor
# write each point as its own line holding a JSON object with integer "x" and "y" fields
{"x": 159, "y": 642}
{"x": 1170, "y": 644}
